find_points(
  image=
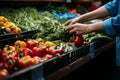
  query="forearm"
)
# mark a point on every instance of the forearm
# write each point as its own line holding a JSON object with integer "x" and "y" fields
{"x": 96, "y": 27}
{"x": 98, "y": 13}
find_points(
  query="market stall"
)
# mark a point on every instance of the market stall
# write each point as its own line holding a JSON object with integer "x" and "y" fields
{"x": 36, "y": 33}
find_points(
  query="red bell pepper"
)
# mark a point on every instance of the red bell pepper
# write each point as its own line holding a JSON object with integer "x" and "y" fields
{"x": 53, "y": 50}
{"x": 39, "y": 50}
{"x": 9, "y": 61}
{"x": 5, "y": 57}
{"x": 84, "y": 43}
{"x": 25, "y": 51}
{"x": 38, "y": 59}
{"x": 7, "y": 65}
{"x": 31, "y": 43}
{"x": 47, "y": 56}
{"x": 76, "y": 40}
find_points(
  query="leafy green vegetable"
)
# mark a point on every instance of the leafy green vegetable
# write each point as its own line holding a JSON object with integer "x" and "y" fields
{"x": 29, "y": 18}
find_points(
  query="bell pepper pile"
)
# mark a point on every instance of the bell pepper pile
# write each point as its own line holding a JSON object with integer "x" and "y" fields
{"x": 26, "y": 53}
{"x": 8, "y": 27}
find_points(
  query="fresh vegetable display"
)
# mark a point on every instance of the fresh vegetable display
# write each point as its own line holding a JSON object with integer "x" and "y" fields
{"x": 92, "y": 37}
{"x": 23, "y": 54}
{"x": 51, "y": 38}
{"x": 8, "y": 60}
{"x": 8, "y": 27}
{"x": 30, "y": 19}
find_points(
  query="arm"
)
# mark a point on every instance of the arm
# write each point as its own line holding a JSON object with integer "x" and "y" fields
{"x": 112, "y": 25}
{"x": 98, "y": 13}
{"x": 79, "y": 28}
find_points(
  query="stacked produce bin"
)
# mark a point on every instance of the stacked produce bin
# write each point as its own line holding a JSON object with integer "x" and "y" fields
{"x": 47, "y": 67}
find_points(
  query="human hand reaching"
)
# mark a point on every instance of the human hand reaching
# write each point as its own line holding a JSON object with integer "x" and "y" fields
{"x": 78, "y": 28}
{"x": 72, "y": 21}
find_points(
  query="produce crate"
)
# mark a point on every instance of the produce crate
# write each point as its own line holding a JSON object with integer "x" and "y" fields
{"x": 31, "y": 73}
{"x": 43, "y": 69}
{"x": 10, "y": 38}
{"x": 39, "y": 71}
{"x": 56, "y": 63}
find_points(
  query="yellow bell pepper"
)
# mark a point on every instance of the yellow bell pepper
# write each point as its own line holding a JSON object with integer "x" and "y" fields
{"x": 19, "y": 44}
{"x": 49, "y": 44}
{"x": 9, "y": 49}
{"x": 3, "y": 20}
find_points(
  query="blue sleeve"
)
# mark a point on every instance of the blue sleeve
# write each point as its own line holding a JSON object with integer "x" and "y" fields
{"x": 112, "y": 7}
{"x": 112, "y": 25}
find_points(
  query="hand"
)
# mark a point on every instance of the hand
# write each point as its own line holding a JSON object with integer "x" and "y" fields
{"x": 78, "y": 28}
{"x": 71, "y": 21}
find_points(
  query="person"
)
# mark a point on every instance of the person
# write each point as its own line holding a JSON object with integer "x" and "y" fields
{"x": 110, "y": 26}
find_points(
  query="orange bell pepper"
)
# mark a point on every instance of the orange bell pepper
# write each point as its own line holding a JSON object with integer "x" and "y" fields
{"x": 26, "y": 61}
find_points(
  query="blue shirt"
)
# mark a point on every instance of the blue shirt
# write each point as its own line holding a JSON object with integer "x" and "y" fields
{"x": 112, "y": 25}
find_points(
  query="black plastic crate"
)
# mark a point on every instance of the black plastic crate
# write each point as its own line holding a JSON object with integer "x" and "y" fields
{"x": 10, "y": 38}
{"x": 29, "y": 73}
{"x": 98, "y": 44}
{"x": 55, "y": 63}
{"x": 78, "y": 53}
{"x": 39, "y": 71}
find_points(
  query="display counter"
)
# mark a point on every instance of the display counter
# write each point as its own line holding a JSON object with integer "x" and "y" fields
{"x": 78, "y": 63}
{"x": 59, "y": 67}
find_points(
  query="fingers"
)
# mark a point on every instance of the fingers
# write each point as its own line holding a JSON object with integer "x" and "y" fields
{"x": 71, "y": 29}
{"x": 76, "y": 28}
{"x": 67, "y": 23}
